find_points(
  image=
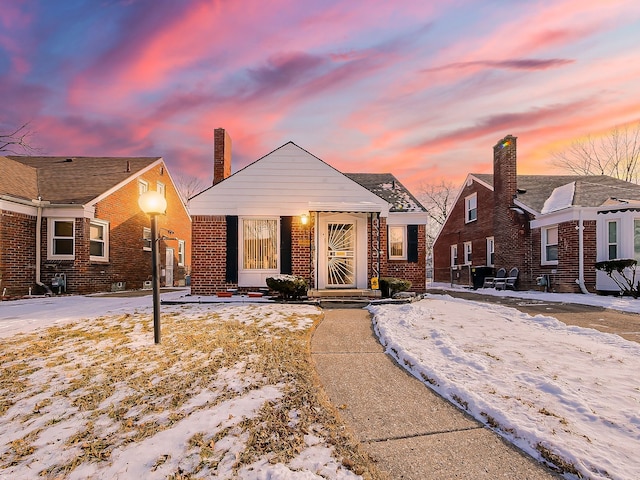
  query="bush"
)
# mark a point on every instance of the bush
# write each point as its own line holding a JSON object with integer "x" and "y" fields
{"x": 625, "y": 269}
{"x": 390, "y": 286}
{"x": 291, "y": 287}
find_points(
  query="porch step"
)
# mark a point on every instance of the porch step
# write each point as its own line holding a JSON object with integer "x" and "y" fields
{"x": 344, "y": 293}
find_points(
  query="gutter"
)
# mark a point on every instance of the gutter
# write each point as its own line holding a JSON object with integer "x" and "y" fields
{"x": 580, "y": 279}
{"x": 39, "y": 203}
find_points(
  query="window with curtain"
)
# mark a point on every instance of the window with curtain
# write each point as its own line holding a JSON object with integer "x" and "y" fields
{"x": 397, "y": 243}
{"x": 260, "y": 244}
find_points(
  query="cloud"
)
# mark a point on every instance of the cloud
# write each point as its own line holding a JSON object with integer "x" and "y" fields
{"x": 512, "y": 64}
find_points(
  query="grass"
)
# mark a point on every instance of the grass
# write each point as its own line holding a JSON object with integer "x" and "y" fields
{"x": 101, "y": 386}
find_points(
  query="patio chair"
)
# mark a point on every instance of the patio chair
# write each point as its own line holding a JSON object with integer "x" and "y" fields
{"x": 509, "y": 283}
{"x": 490, "y": 282}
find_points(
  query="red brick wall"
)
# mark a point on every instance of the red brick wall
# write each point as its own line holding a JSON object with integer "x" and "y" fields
{"x": 209, "y": 237}
{"x": 221, "y": 155}
{"x": 456, "y": 232}
{"x": 301, "y": 241}
{"x": 128, "y": 261}
{"x": 17, "y": 256}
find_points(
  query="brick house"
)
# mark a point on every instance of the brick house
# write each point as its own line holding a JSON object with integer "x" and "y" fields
{"x": 291, "y": 213}
{"x": 551, "y": 227}
{"x": 78, "y": 220}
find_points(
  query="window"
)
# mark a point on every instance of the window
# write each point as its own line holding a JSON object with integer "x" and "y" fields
{"x": 397, "y": 242}
{"x": 160, "y": 188}
{"x": 260, "y": 244}
{"x": 143, "y": 187}
{"x": 99, "y": 241}
{"x": 181, "y": 246}
{"x": 454, "y": 255}
{"x": 146, "y": 236}
{"x": 491, "y": 249}
{"x": 471, "y": 208}
{"x": 636, "y": 240}
{"x": 612, "y": 240}
{"x": 550, "y": 245}
{"x": 467, "y": 253}
{"x": 61, "y": 239}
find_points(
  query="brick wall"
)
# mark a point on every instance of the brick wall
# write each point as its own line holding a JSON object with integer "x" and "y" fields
{"x": 221, "y": 155}
{"x": 17, "y": 256}
{"x": 209, "y": 237}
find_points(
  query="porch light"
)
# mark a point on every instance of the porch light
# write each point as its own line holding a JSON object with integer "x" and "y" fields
{"x": 304, "y": 219}
{"x": 154, "y": 204}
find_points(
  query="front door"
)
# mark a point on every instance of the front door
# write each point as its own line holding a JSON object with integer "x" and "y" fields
{"x": 341, "y": 255}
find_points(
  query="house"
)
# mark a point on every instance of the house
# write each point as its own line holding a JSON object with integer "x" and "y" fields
{"x": 74, "y": 225}
{"x": 553, "y": 228}
{"x": 291, "y": 213}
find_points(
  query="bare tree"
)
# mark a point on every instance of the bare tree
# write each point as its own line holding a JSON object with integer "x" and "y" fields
{"x": 17, "y": 141}
{"x": 438, "y": 199}
{"x": 616, "y": 154}
{"x": 188, "y": 186}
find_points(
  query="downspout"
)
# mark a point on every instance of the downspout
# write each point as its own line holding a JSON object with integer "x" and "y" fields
{"x": 39, "y": 246}
{"x": 580, "y": 279}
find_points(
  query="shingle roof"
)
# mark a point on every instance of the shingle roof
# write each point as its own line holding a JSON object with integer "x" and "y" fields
{"x": 17, "y": 179}
{"x": 73, "y": 180}
{"x": 590, "y": 190}
{"x": 387, "y": 187}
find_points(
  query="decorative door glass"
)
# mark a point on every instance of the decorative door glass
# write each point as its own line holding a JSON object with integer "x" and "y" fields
{"x": 341, "y": 262}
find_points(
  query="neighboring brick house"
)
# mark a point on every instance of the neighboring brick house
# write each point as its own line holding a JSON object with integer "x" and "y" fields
{"x": 551, "y": 227}
{"x": 78, "y": 219}
{"x": 291, "y": 213}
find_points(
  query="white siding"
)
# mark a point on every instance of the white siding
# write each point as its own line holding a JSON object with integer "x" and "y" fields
{"x": 283, "y": 182}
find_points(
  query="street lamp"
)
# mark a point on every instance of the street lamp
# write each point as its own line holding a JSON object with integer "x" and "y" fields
{"x": 154, "y": 204}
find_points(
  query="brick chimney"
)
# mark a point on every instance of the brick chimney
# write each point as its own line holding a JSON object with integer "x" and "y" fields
{"x": 221, "y": 155}
{"x": 504, "y": 171}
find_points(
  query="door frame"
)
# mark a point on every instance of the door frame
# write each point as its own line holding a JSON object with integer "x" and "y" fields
{"x": 361, "y": 246}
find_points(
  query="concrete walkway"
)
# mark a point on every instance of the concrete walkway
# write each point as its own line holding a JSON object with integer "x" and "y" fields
{"x": 408, "y": 429}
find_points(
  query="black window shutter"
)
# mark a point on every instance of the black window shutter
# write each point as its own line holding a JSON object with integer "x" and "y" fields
{"x": 286, "y": 264}
{"x": 232, "y": 249}
{"x": 412, "y": 243}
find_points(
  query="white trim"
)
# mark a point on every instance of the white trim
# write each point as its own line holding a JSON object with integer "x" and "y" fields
{"x": 490, "y": 241}
{"x": 544, "y": 243}
{"x": 403, "y": 228}
{"x": 467, "y": 253}
{"x": 407, "y": 218}
{"x": 50, "y": 238}
{"x": 182, "y": 251}
{"x": 105, "y": 242}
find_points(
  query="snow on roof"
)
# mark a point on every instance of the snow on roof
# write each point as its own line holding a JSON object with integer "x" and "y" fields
{"x": 560, "y": 198}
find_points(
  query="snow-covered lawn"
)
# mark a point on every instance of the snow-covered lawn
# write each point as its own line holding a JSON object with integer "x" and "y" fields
{"x": 94, "y": 397}
{"x": 564, "y": 394}
{"x": 228, "y": 393}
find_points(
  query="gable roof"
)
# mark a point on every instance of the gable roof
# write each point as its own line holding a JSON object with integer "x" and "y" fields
{"x": 18, "y": 180}
{"x": 72, "y": 180}
{"x": 590, "y": 190}
{"x": 387, "y": 186}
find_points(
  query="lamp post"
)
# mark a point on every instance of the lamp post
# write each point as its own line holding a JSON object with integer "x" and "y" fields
{"x": 154, "y": 204}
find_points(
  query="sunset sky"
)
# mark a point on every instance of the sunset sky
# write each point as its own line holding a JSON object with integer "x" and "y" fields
{"x": 422, "y": 89}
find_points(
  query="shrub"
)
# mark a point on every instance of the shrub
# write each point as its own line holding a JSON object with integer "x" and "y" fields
{"x": 291, "y": 287}
{"x": 390, "y": 286}
{"x": 623, "y": 272}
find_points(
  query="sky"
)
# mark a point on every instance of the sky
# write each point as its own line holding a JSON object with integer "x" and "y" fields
{"x": 419, "y": 89}
{"x": 569, "y": 391}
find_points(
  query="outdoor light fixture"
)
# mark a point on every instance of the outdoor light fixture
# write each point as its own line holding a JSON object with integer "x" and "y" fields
{"x": 154, "y": 204}
{"x": 304, "y": 219}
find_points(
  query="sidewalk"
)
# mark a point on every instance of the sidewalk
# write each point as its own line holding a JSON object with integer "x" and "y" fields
{"x": 413, "y": 433}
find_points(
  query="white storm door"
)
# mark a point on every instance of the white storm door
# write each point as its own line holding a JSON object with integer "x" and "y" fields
{"x": 341, "y": 254}
{"x": 168, "y": 278}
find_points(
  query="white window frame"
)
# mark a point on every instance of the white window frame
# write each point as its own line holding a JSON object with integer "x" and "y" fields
{"x": 161, "y": 189}
{"x": 105, "y": 241}
{"x": 143, "y": 186}
{"x": 491, "y": 250}
{"x": 615, "y": 243}
{"x": 146, "y": 236}
{"x": 454, "y": 255}
{"x": 468, "y": 252}
{"x": 471, "y": 205}
{"x": 52, "y": 238}
{"x": 241, "y": 245}
{"x": 181, "y": 253}
{"x": 544, "y": 243}
{"x": 403, "y": 232}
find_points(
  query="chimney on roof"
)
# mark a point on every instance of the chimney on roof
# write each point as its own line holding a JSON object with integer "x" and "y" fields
{"x": 221, "y": 155}
{"x": 128, "y": 166}
{"x": 504, "y": 170}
